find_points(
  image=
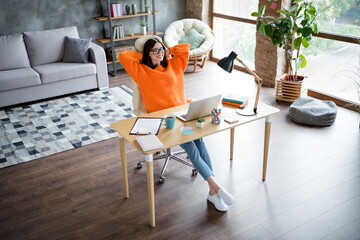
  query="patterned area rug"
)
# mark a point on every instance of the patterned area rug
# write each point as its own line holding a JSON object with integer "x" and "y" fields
{"x": 38, "y": 130}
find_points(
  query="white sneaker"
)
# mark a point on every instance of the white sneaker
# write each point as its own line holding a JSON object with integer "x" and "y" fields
{"x": 218, "y": 202}
{"x": 226, "y": 197}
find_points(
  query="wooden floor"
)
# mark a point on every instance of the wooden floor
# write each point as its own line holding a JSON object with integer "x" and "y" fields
{"x": 312, "y": 189}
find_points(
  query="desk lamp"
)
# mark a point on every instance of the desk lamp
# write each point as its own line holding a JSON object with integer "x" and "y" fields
{"x": 227, "y": 63}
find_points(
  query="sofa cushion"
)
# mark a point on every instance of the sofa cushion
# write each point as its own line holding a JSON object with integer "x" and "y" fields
{"x": 18, "y": 78}
{"x": 47, "y": 46}
{"x": 13, "y": 53}
{"x": 194, "y": 38}
{"x": 76, "y": 50}
{"x": 59, "y": 71}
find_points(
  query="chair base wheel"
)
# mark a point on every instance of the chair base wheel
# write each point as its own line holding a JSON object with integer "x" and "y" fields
{"x": 138, "y": 165}
{"x": 161, "y": 179}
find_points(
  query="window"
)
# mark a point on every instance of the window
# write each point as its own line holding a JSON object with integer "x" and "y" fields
{"x": 235, "y": 30}
{"x": 333, "y": 56}
{"x": 240, "y": 38}
{"x": 236, "y": 8}
{"x": 332, "y": 67}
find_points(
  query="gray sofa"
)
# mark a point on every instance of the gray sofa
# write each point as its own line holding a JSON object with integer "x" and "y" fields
{"x": 31, "y": 67}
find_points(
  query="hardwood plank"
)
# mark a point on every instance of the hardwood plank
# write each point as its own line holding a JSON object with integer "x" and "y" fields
{"x": 314, "y": 207}
{"x": 256, "y": 233}
{"x": 350, "y": 232}
{"x": 331, "y": 221}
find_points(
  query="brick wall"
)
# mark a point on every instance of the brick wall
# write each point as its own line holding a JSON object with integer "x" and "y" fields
{"x": 199, "y": 9}
{"x": 269, "y": 60}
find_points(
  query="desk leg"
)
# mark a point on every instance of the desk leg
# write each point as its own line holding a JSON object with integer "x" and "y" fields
{"x": 232, "y": 135}
{"x": 266, "y": 145}
{"x": 124, "y": 165}
{"x": 150, "y": 181}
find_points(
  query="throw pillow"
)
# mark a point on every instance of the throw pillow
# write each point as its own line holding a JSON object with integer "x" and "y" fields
{"x": 76, "y": 50}
{"x": 194, "y": 38}
{"x": 13, "y": 54}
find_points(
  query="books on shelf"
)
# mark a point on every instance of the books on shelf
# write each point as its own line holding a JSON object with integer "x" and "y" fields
{"x": 149, "y": 142}
{"x": 235, "y": 104}
{"x": 118, "y": 32}
{"x": 116, "y": 9}
{"x": 235, "y": 98}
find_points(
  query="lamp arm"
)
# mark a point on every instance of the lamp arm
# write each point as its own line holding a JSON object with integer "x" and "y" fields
{"x": 259, "y": 80}
{"x": 250, "y": 71}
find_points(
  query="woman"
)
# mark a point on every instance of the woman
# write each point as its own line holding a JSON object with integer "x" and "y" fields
{"x": 161, "y": 82}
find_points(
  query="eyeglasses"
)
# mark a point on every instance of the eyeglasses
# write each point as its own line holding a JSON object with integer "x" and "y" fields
{"x": 156, "y": 51}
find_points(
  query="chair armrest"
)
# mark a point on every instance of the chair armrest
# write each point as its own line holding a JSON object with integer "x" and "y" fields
{"x": 97, "y": 56}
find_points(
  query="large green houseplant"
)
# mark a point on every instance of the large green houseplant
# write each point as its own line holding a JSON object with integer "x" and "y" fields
{"x": 291, "y": 31}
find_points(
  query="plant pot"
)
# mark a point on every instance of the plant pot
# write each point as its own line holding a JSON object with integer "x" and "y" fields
{"x": 148, "y": 10}
{"x": 288, "y": 90}
{"x": 143, "y": 30}
{"x": 199, "y": 124}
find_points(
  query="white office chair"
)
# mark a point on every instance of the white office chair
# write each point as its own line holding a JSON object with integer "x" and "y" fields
{"x": 139, "y": 109}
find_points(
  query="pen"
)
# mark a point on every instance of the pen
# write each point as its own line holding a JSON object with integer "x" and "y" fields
{"x": 213, "y": 113}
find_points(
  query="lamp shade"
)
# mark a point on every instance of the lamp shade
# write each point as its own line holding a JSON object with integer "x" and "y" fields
{"x": 227, "y": 63}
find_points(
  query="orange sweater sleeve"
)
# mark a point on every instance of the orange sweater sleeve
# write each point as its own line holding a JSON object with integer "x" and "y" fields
{"x": 181, "y": 54}
{"x": 131, "y": 62}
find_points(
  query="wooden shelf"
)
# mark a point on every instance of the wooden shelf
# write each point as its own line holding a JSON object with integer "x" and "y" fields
{"x": 127, "y": 37}
{"x": 105, "y": 18}
{"x": 108, "y": 61}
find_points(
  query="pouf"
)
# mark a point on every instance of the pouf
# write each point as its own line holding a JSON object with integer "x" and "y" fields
{"x": 313, "y": 111}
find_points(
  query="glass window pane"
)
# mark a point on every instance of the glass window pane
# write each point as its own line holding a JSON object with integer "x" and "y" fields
{"x": 333, "y": 67}
{"x": 235, "y": 36}
{"x": 343, "y": 17}
{"x": 236, "y": 8}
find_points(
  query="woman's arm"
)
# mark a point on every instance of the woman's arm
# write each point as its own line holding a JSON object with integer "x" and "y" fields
{"x": 130, "y": 61}
{"x": 181, "y": 54}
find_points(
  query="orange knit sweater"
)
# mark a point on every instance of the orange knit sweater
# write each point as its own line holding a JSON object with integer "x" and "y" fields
{"x": 161, "y": 87}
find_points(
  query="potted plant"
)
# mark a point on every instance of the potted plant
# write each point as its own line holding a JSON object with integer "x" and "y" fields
{"x": 147, "y": 9}
{"x": 291, "y": 31}
{"x": 143, "y": 25}
{"x": 200, "y": 122}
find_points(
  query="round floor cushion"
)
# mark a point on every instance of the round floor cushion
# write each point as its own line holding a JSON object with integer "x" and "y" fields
{"x": 313, "y": 111}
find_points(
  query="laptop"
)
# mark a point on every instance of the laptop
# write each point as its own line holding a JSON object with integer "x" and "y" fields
{"x": 199, "y": 108}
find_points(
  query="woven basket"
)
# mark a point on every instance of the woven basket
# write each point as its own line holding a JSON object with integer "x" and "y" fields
{"x": 119, "y": 49}
{"x": 289, "y": 91}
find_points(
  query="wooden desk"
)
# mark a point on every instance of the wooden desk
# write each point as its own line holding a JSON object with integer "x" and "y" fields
{"x": 174, "y": 137}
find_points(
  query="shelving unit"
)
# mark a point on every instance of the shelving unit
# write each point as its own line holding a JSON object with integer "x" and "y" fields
{"x": 110, "y": 40}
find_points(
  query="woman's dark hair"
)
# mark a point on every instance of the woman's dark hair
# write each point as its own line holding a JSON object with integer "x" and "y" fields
{"x": 147, "y": 48}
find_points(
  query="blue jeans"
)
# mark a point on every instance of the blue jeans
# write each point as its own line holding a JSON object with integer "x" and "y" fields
{"x": 199, "y": 157}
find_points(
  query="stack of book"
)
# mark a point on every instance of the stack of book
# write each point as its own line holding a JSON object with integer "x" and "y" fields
{"x": 118, "y": 32}
{"x": 235, "y": 100}
{"x": 116, "y": 9}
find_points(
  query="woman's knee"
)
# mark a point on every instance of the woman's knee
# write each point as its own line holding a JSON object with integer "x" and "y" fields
{"x": 189, "y": 147}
